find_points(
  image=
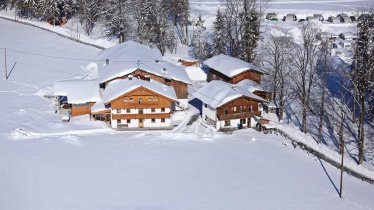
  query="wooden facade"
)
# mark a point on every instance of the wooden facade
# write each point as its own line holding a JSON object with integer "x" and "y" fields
{"x": 181, "y": 88}
{"x": 239, "y": 108}
{"x": 141, "y": 99}
{"x": 249, "y": 74}
{"x": 189, "y": 63}
{"x": 81, "y": 109}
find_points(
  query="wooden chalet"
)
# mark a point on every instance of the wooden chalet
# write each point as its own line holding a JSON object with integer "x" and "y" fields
{"x": 134, "y": 60}
{"x": 136, "y": 104}
{"x": 228, "y": 106}
{"x": 232, "y": 70}
{"x": 75, "y": 97}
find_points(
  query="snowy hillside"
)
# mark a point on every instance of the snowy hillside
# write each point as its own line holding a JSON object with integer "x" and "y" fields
{"x": 47, "y": 164}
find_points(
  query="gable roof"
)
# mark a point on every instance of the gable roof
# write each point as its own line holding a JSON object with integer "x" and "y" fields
{"x": 118, "y": 88}
{"x": 130, "y": 56}
{"x": 230, "y": 66}
{"x": 250, "y": 85}
{"x": 78, "y": 91}
{"x": 217, "y": 93}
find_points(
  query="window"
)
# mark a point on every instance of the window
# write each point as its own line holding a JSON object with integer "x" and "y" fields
{"x": 227, "y": 123}
{"x": 226, "y": 112}
{"x": 140, "y": 100}
{"x": 118, "y": 121}
{"x": 128, "y": 120}
{"x": 242, "y": 121}
{"x": 234, "y": 108}
{"x": 154, "y": 99}
{"x": 153, "y": 109}
{"x": 250, "y": 108}
{"x": 118, "y": 111}
{"x": 162, "y": 109}
{"x": 131, "y": 99}
{"x": 153, "y": 120}
{"x": 162, "y": 120}
{"x": 126, "y": 99}
{"x": 128, "y": 110}
{"x": 140, "y": 111}
{"x": 240, "y": 108}
{"x": 150, "y": 99}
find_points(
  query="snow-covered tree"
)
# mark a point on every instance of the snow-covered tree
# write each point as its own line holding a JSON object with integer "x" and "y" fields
{"x": 200, "y": 45}
{"x": 89, "y": 12}
{"x": 117, "y": 18}
{"x": 360, "y": 77}
{"x": 304, "y": 73}
{"x": 220, "y": 39}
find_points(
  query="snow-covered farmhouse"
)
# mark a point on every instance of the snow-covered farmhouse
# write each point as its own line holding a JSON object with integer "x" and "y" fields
{"x": 131, "y": 59}
{"x": 135, "y": 88}
{"x": 136, "y": 103}
{"x": 229, "y": 106}
{"x": 76, "y": 96}
{"x": 232, "y": 70}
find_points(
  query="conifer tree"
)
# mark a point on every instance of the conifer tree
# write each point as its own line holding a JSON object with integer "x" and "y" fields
{"x": 219, "y": 40}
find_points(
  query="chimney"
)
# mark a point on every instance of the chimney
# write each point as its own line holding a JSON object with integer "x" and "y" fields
{"x": 106, "y": 61}
{"x": 164, "y": 71}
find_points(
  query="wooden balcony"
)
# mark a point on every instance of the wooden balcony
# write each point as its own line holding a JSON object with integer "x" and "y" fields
{"x": 139, "y": 116}
{"x": 241, "y": 115}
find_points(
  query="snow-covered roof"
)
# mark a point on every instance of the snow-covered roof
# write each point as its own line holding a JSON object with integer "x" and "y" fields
{"x": 217, "y": 93}
{"x": 230, "y": 66}
{"x": 130, "y": 56}
{"x": 78, "y": 91}
{"x": 117, "y": 88}
{"x": 98, "y": 107}
{"x": 250, "y": 85}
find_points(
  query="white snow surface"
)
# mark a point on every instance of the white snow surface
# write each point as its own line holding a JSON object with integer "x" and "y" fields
{"x": 230, "y": 66}
{"x": 117, "y": 88}
{"x": 78, "y": 91}
{"x": 129, "y": 56}
{"x": 196, "y": 73}
{"x": 216, "y": 93}
{"x": 98, "y": 107}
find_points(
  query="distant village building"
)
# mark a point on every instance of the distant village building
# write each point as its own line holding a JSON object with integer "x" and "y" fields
{"x": 232, "y": 70}
{"x": 333, "y": 19}
{"x": 345, "y": 44}
{"x": 271, "y": 16}
{"x": 319, "y": 17}
{"x": 310, "y": 18}
{"x": 229, "y": 106}
{"x": 290, "y": 17}
{"x": 136, "y": 103}
{"x": 76, "y": 97}
{"x": 344, "y": 18}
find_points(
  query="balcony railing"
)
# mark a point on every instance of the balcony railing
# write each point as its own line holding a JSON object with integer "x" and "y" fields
{"x": 241, "y": 115}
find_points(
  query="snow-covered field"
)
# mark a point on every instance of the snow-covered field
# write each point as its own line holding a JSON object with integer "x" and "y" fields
{"x": 47, "y": 164}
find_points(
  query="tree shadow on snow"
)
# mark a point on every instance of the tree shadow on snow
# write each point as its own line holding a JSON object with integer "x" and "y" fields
{"x": 197, "y": 104}
{"x": 328, "y": 176}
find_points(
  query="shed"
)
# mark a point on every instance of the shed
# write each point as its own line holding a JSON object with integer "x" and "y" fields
{"x": 333, "y": 19}
{"x": 319, "y": 17}
{"x": 290, "y": 17}
{"x": 271, "y": 16}
{"x": 309, "y": 18}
